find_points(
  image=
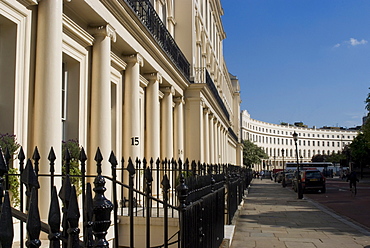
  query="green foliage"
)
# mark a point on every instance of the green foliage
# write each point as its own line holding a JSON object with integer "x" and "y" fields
{"x": 360, "y": 149}
{"x": 299, "y": 124}
{"x": 9, "y": 141}
{"x": 14, "y": 186}
{"x": 334, "y": 157}
{"x": 367, "y": 101}
{"x": 74, "y": 170}
{"x": 252, "y": 154}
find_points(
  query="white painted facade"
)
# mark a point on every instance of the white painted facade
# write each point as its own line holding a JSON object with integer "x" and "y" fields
{"x": 92, "y": 70}
{"x": 274, "y": 138}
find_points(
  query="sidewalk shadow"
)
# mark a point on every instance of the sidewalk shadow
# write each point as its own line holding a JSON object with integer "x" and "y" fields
{"x": 271, "y": 205}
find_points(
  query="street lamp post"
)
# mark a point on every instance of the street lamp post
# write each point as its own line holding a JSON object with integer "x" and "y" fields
{"x": 283, "y": 181}
{"x": 299, "y": 185}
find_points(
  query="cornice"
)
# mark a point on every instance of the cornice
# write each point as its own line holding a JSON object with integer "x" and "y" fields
{"x": 143, "y": 82}
{"x": 75, "y": 31}
{"x": 29, "y": 2}
{"x": 118, "y": 62}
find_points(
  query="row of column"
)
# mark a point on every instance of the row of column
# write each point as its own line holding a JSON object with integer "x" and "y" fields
{"x": 215, "y": 138}
{"x": 164, "y": 120}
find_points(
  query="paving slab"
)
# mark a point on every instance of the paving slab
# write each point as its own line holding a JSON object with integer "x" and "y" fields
{"x": 272, "y": 216}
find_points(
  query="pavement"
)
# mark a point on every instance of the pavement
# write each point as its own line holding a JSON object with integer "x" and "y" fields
{"x": 272, "y": 216}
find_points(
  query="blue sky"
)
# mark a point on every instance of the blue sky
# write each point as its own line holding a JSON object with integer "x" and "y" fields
{"x": 300, "y": 60}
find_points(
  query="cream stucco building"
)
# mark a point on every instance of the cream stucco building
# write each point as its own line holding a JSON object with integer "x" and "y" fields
{"x": 277, "y": 139}
{"x": 141, "y": 78}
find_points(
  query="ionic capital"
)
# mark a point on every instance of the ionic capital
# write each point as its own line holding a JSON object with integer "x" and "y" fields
{"x": 153, "y": 77}
{"x": 134, "y": 58}
{"x": 168, "y": 89}
{"x": 104, "y": 30}
{"x": 179, "y": 100}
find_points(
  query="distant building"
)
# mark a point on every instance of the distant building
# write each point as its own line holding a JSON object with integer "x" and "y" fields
{"x": 277, "y": 141}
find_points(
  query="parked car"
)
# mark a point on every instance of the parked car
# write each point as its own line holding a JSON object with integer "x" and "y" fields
{"x": 279, "y": 176}
{"x": 288, "y": 178}
{"x": 311, "y": 180}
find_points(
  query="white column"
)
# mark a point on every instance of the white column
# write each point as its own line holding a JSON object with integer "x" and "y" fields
{"x": 221, "y": 144}
{"x": 194, "y": 129}
{"x": 101, "y": 128}
{"x": 206, "y": 135}
{"x": 167, "y": 122}
{"x": 152, "y": 148}
{"x": 47, "y": 127}
{"x": 225, "y": 146}
{"x": 218, "y": 143}
{"x": 216, "y": 140}
{"x": 211, "y": 138}
{"x": 179, "y": 128}
{"x": 131, "y": 110}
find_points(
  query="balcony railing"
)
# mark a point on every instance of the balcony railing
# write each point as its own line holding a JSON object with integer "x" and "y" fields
{"x": 149, "y": 17}
{"x": 214, "y": 90}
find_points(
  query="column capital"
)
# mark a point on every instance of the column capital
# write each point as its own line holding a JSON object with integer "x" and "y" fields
{"x": 154, "y": 76}
{"x": 207, "y": 111}
{"x": 168, "y": 89}
{"x": 103, "y": 30}
{"x": 134, "y": 58}
{"x": 179, "y": 99}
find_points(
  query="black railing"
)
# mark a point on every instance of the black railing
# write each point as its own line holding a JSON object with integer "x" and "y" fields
{"x": 214, "y": 91}
{"x": 194, "y": 193}
{"x": 233, "y": 135}
{"x": 149, "y": 17}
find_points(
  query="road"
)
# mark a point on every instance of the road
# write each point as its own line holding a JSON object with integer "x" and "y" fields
{"x": 338, "y": 198}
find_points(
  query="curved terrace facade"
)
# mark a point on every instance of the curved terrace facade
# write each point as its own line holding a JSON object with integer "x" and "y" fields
{"x": 277, "y": 141}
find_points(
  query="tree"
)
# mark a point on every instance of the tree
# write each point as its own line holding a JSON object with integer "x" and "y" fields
{"x": 319, "y": 158}
{"x": 252, "y": 154}
{"x": 367, "y": 101}
{"x": 360, "y": 151}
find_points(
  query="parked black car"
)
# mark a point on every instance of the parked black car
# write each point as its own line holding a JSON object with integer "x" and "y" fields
{"x": 311, "y": 180}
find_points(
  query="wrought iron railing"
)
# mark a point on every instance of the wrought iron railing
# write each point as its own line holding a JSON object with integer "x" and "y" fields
{"x": 149, "y": 17}
{"x": 214, "y": 91}
{"x": 233, "y": 135}
{"x": 181, "y": 189}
